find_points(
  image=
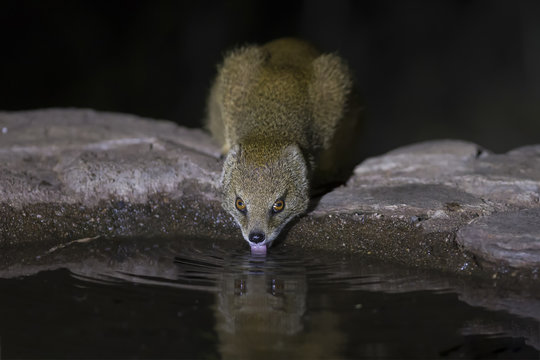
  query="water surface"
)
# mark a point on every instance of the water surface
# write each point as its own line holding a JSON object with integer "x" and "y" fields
{"x": 188, "y": 298}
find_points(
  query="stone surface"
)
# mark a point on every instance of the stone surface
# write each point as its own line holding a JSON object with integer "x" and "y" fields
{"x": 512, "y": 236}
{"x": 443, "y": 185}
{"x": 67, "y": 174}
{"x": 81, "y": 156}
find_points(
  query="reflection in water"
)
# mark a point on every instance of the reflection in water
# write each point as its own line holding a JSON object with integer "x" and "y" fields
{"x": 289, "y": 304}
{"x": 260, "y": 308}
{"x": 258, "y": 311}
{"x": 253, "y": 303}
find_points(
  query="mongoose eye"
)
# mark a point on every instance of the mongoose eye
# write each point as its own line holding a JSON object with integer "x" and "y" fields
{"x": 240, "y": 205}
{"x": 278, "y": 206}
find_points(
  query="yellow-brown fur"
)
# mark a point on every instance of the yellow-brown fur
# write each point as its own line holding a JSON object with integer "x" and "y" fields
{"x": 275, "y": 109}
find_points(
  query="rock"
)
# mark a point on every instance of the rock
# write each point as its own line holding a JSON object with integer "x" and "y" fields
{"x": 443, "y": 185}
{"x": 68, "y": 174}
{"x": 81, "y": 156}
{"x": 512, "y": 236}
{"x": 501, "y": 181}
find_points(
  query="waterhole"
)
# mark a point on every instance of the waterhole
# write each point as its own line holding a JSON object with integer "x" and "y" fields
{"x": 200, "y": 299}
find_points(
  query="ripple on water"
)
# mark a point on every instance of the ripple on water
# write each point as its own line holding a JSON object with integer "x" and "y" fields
{"x": 289, "y": 299}
{"x": 201, "y": 266}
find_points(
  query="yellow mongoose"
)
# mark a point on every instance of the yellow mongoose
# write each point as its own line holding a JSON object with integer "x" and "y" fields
{"x": 276, "y": 109}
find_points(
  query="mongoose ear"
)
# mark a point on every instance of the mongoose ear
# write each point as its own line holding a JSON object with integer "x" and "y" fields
{"x": 294, "y": 155}
{"x": 297, "y": 166}
{"x": 293, "y": 152}
{"x": 235, "y": 151}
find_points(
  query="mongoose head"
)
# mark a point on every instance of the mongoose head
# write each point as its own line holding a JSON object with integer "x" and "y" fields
{"x": 264, "y": 187}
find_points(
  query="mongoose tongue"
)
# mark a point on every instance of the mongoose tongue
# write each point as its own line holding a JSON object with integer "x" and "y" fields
{"x": 258, "y": 249}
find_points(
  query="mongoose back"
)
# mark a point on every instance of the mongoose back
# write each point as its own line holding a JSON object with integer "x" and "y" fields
{"x": 276, "y": 109}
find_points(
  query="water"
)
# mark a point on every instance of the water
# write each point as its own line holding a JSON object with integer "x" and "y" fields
{"x": 151, "y": 298}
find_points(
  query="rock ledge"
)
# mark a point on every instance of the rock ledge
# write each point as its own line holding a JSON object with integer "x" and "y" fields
{"x": 67, "y": 174}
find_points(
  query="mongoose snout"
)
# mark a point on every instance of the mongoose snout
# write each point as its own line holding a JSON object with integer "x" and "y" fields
{"x": 277, "y": 110}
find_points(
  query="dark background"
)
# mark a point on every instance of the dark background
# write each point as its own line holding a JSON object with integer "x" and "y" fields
{"x": 427, "y": 69}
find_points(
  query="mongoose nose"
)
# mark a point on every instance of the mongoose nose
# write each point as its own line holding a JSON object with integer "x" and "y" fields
{"x": 256, "y": 237}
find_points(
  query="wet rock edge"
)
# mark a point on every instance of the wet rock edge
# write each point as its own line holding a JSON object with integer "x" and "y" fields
{"x": 31, "y": 231}
{"x": 367, "y": 234}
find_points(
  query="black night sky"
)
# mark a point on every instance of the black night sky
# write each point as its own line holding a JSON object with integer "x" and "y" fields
{"x": 427, "y": 69}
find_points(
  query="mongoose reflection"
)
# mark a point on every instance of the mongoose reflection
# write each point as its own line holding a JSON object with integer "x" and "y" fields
{"x": 282, "y": 113}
